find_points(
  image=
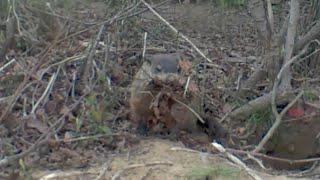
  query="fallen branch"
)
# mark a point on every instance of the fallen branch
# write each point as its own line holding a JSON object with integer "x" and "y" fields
{"x": 192, "y": 151}
{"x": 274, "y": 94}
{"x": 266, "y": 157}
{"x": 65, "y": 175}
{"x": 312, "y": 34}
{"x": 256, "y": 105}
{"x": 236, "y": 160}
{"x": 277, "y": 122}
{"x": 265, "y": 101}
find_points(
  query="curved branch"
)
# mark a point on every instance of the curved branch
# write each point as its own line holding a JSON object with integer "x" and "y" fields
{"x": 273, "y": 102}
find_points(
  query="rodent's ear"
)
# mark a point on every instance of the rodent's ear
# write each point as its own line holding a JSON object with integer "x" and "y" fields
{"x": 147, "y": 57}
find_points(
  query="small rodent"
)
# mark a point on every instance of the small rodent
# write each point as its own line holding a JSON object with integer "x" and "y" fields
{"x": 186, "y": 120}
{"x": 141, "y": 97}
{"x": 163, "y": 67}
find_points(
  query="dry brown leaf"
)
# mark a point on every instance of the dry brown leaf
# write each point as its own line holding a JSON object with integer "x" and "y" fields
{"x": 50, "y": 107}
{"x": 35, "y": 123}
{"x": 241, "y": 131}
{"x": 182, "y": 81}
{"x": 193, "y": 88}
{"x": 156, "y": 112}
{"x": 185, "y": 66}
{"x": 226, "y": 108}
{"x": 64, "y": 110}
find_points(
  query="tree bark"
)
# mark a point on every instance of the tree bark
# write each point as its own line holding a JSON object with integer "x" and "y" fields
{"x": 289, "y": 45}
{"x": 258, "y": 12}
{"x": 311, "y": 35}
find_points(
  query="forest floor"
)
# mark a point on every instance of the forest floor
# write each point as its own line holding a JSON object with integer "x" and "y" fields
{"x": 225, "y": 35}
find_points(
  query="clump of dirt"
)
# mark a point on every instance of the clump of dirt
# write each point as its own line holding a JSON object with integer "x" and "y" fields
{"x": 296, "y": 138}
{"x": 158, "y": 159}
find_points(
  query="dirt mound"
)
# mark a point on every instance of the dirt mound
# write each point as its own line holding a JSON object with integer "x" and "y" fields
{"x": 158, "y": 159}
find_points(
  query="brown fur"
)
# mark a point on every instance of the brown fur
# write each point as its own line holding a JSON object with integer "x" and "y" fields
{"x": 151, "y": 103}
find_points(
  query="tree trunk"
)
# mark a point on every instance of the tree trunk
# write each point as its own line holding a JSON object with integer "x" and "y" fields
{"x": 291, "y": 34}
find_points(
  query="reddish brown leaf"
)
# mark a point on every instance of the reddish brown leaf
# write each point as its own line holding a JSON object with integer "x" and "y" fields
{"x": 241, "y": 131}
{"x": 296, "y": 112}
{"x": 193, "y": 88}
{"x": 33, "y": 122}
{"x": 185, "y": 66}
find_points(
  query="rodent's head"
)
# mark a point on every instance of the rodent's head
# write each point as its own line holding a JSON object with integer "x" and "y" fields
{"x": 165, "y": 63}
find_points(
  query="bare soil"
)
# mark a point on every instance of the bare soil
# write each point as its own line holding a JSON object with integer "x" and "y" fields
{"x": 157, "y": 159}
{"x": 224, "y": 35}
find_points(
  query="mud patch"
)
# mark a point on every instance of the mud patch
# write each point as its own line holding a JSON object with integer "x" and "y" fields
{"x": 296, "y": 139}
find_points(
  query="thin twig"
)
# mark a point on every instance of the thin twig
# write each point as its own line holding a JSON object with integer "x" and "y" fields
{"x": 258, "y": 161}
{"x": 66, "y": 175}
{"x": 103, "y": 170}
{"x": 7, "y": 64}
{"x": 191, "y": 110}
{"x": 68, "y": 59}
{"x": 43, "y": 54}
{"x": 132, "y": 166}
{"x": 88, "y": 65}
{"x": 277, "y": 159}
{"x": 185, "y": 149}
{"x": 120, "y": 16}
{"x": 274, "y": 92}
{"x": 42, "y": 139}
{"x": 305, "y": 172}
{"x": 84, "y": 138}
{"x": 179, "y": 33}
{"x": 236, "y": 160}
{"x": 276, "y": 123}
{"x": 186, "y": 87}
{"x": 50, "y": 84}
{"x": 144, "y": 45}
{"x": 210, "y": 155}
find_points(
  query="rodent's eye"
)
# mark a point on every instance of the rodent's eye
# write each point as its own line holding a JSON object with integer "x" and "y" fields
{"x": 158, "y": 68}
{"x": 179, "y": 70}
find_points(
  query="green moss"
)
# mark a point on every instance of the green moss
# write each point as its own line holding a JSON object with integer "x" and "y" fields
{"x": 213, "y": 173}
{"x": 261, "y": 117}
{"x": 24, "y": 170}
{"x": 310, "y": 96}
